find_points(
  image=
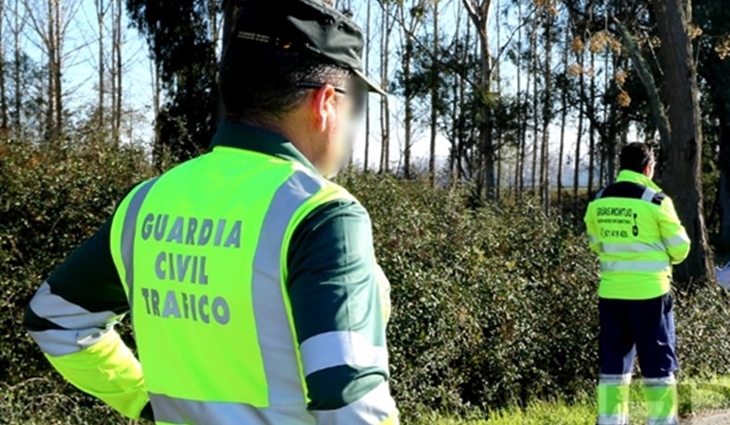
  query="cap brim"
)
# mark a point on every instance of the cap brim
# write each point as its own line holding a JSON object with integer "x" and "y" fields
{"x": 372, "y": 86}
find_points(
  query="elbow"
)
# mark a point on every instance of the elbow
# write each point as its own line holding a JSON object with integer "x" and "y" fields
{"x": 337, "y": 387}
{"x": 32, "y": 322}
{"x": 28, "y": 319}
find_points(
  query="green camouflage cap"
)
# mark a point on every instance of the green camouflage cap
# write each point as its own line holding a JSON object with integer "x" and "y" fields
{"x": 302, "y": 25}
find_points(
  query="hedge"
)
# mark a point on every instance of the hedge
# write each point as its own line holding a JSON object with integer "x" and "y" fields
{"x": 492, "y": 307}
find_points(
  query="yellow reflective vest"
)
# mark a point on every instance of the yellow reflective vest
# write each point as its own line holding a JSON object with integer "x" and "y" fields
{"x": 207, "y": 280}
{"x": 634, "y": 229}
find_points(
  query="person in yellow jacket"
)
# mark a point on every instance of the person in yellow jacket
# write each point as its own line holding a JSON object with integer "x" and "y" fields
{"x": 633, "y": 227}
{"x": 251, "y": 279}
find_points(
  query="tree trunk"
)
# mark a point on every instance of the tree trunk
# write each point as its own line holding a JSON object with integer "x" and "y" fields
{"x": 408, "y": 119}
{"x": 579, "y": 135}
{"x": 230, "y": 12}
{"x": 546, "y": 113}
{"x": 563, "y": 117}
{"x": 683, "y": 181}
{"x": 367, "y": 98}
{"x": 118, "y": 72}
{"x": 434, "y": 95}
{"x": 724, "y": 164}
{"x": 51, "y": 125}
{"x": 384, "y": 106}
{"x": 592, "y": 129}
{"x": 100, "y": 15}
{"x": 535, "y": 108}
{"x": 156, "y": 102}
{"x": 523, "y": 128}
{"x": 3, "y": 86}
{"x": 479, "y": 15}
{"x": 17, "y": 31}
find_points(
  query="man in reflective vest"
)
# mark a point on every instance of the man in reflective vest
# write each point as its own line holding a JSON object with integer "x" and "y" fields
{"x": 252, "y": 283}
{"x": 635, "y": 230}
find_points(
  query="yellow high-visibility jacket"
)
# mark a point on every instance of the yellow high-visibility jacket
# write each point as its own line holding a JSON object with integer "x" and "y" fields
{"x": 635, "y": 230}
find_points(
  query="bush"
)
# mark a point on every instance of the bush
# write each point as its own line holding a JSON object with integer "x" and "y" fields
{"x": 492, "y": 307}
{"x": 53, "y": 197}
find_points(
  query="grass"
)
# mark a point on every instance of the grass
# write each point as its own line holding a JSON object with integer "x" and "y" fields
{"x": 36, "y": 403}
{"x": 696, "y": 397}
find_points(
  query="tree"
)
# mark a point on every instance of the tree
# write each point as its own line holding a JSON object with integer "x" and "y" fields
{"x": 434, "y": 95}
{"x": 410, "y": 24}
{"x": 101, "y": 10}
{"x": 368, "y": 40}
{"x": 479, "y": 12}
{"x": 50, "y": 23}
{"x": 385, "y": 31}
{"x": 682, "y": 180}
{"x": 713, "y": 18}
{"x": 117, "y": 69}
{"x": 547, "y": 18}
{"x": 4, "y": 124}
{"x": 180, "y": 41}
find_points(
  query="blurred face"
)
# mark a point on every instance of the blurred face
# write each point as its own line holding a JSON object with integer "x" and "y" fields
{"x": 336, "y": 113}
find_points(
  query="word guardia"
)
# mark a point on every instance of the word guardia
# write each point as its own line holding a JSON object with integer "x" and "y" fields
{"x": 181, "y": 267}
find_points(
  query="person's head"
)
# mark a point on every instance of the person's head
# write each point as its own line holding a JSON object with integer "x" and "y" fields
{"x": 638, "y": 157}
{"x": 294, "y": 66}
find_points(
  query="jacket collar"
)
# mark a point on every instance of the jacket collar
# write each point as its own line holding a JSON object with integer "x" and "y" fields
{"x": 256, "y": 139}
{"x": 634, "y": 177}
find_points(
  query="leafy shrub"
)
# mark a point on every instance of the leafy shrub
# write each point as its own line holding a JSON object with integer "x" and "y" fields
{"x": 52, "y": 198}
{"x": 492, "y": 307}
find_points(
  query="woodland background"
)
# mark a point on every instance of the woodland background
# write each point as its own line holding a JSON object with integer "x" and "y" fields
{"x": 505, "y": 117}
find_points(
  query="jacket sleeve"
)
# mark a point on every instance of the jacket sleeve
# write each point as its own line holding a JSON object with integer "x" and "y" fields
{"x": 592, "y": 230}
{"x": 672, "y": 232}
{"x": 72, "y": 318}
{"x": 339, "y": 305}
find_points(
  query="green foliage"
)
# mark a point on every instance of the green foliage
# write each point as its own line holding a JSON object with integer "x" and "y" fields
{"x": 52, "y": 198}
{"x": 493, "y": 307}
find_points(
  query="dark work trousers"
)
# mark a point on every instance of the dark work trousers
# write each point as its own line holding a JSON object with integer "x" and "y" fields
{"x": 643, "y": 327}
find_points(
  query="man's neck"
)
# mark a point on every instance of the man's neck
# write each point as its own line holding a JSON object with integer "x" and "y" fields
{"x": 290, "y": 131}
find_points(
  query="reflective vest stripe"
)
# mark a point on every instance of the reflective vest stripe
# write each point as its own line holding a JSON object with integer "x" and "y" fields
{"x": 65, "y": 314}
{"x": 373, "y": 408}
{"x": 129, "y": 231}
{"x": 649, "y": 194}
{"x": 635, "y": 266}
{"x": 622, "y": 419}
{"x": 273, "y": 328}
{"x": 81, "y": 328}
{"x": 334, "y": 349}
{"x": 660, "y": 382}
{"x": 676, "y": 241}
{"x": 605, "y": 379}
{"x": 672, "y": 420}
{"x": 636, "y": 247}
{"x": 175, "y": 411}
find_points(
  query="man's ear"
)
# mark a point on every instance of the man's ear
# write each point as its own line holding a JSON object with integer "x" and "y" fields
{"x": 323, "y": 106}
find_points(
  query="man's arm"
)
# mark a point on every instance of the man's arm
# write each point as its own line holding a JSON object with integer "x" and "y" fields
{"x": 71, "y": 318}
{"x": 592, "y": 230}
{"x": 339, "y": 317}
{"x": 673, "y": 233}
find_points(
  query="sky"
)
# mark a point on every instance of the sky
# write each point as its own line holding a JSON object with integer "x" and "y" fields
{"x": 81, "y": 80}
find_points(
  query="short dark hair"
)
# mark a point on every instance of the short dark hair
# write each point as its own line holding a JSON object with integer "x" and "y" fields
{"x": 262, "y": 85}
{"x": 635, "y": 157}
